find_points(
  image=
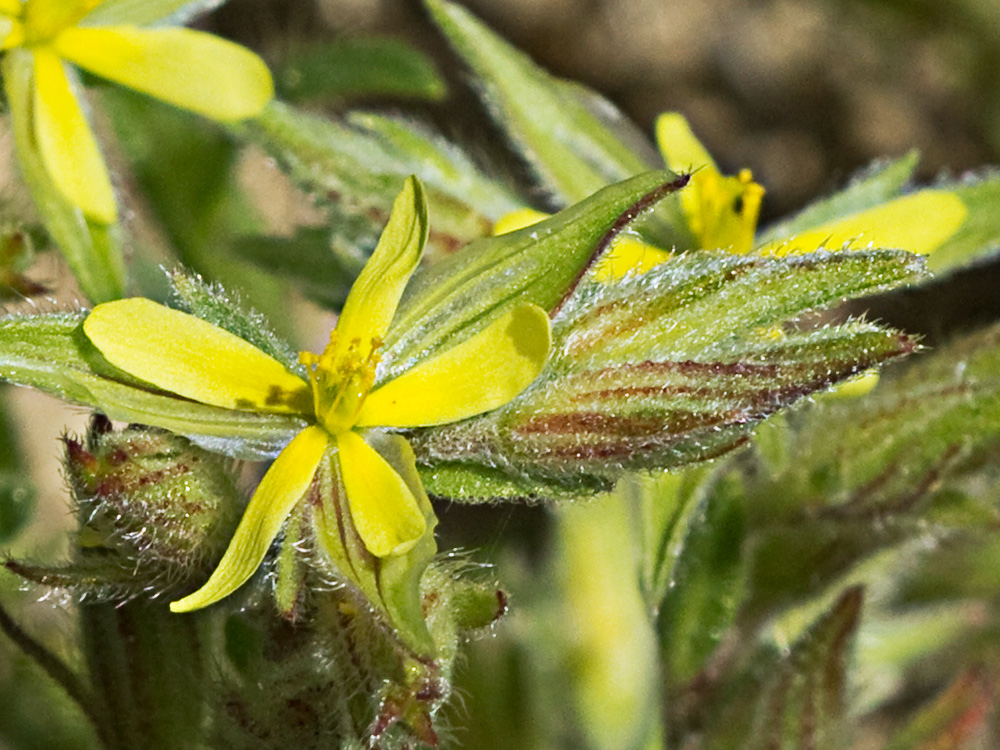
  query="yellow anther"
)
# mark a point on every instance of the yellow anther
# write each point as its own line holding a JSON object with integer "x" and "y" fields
{"x": 341, "y": 379}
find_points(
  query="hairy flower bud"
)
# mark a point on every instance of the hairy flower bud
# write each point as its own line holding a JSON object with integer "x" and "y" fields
{"x": 155, "y": 512}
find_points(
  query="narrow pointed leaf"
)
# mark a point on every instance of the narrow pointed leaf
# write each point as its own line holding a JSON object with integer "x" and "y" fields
{"x": 571, "y": 149}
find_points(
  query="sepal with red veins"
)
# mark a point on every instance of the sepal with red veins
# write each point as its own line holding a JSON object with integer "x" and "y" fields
{"x": 155, "y": 513}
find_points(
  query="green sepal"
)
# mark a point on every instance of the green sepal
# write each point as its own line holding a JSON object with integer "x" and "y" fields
{"x": 671, "y": 367}
{"x": 359, "y": 168}
{"x": 541, "y": 264}
{"x": 358, "y": 67}
{"x": 148, "y": 12}
{"x": 51, "y": 353}
{"x": 92, "y": 250}
{"x": 390, "y": 584}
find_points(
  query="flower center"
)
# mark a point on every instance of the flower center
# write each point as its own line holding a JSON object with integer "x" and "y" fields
{"x": 341, "y": 379}
{"x": 37, "y": 22}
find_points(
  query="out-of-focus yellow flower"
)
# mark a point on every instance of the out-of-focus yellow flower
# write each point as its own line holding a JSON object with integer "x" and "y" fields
{"x": 721, "y": 213}
{"x": 185, "y": 355}
{"x": 189, "y": 69}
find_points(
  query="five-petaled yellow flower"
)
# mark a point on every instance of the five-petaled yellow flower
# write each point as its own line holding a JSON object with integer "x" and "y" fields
{"x": 343, "y": 400}
{"x": 189, "y": 69}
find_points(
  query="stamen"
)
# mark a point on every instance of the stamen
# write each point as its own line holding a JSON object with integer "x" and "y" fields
{"x": 341, "y": 379}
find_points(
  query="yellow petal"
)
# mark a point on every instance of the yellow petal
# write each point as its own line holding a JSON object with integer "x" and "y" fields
{"x": 383, "y": 509}
{"x": 190, "y": 69}
{"x": 523, "y": 217}
{"x": 46, "y": 18}
{"x": 920, "y": 222}
{"x": 372, "y": 301}
{"x": 681, "y": 150}
{"x": 628, "y": 255}
{"x": 284, "y": 485}
{"x": 66, "y": 143}
{"x": 480, "y": 374}
{"x": 193, "y": 358}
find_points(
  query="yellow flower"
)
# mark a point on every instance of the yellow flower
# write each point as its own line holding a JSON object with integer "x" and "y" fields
{"x": 189, "y": 69}
{"x": 721, "y": 213}
{"x": 342, "y": 400}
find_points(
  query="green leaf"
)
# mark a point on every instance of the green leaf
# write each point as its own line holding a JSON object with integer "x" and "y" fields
{"x": 51, "y": 353}
{"x": 148, "y": 12}
{"x": 706, "y": 583}
{"x": 795, "y": 701}
{"x": 361, "y": 165}
{"x": 358, "y": 67}
{"x": 571, "y": 149}
{"x": 92, "y": 250}
{"x": 17, "y": 494}
{"x": 675, "y": 366}
{"x": 186, "y": 167}
{"x": 460, "y": 295}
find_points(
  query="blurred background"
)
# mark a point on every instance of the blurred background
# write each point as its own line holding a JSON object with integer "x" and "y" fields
{"x": 804, "y": 92}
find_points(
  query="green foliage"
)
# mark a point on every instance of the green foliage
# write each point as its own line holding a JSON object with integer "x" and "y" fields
{"x": 638, "y": 382}
{"x": 832, "y": 585}
{"x": 358, "y": 67}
